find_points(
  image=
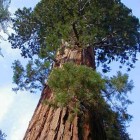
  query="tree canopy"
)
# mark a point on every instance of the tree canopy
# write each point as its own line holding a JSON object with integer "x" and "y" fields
{"x": 107, "y": 26}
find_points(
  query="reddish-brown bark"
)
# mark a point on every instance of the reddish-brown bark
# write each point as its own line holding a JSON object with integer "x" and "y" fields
{"x": 50, "y": 123}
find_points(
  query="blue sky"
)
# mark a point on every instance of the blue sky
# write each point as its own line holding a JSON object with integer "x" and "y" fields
{"x": 16, "y": 109}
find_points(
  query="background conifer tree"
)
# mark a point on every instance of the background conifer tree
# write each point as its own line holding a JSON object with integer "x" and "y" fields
{"x": 4, "y": 14}
{"x": 4, "y": 17}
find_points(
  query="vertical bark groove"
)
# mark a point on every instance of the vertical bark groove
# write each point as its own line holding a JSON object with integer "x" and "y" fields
{"x": 62, "y": 124}
{"x": 54, "y": 124}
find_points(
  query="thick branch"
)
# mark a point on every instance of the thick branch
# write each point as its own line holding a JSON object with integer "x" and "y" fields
{"x": 75, "y": 31}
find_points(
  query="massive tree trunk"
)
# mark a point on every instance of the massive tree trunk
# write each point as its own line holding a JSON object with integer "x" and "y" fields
{"x": 50, "y": 123}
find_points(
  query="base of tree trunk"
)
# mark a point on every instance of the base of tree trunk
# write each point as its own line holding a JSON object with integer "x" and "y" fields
{"x": 49, "y": 123}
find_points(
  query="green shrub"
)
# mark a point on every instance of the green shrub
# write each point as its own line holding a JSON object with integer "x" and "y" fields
{"x": 75, "y": 84}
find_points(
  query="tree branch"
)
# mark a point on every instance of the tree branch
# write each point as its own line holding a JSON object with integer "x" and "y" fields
{"x": 75, "y": 30}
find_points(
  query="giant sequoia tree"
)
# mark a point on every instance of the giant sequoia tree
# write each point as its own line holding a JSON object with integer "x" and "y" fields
{"x": 74, "y": 37}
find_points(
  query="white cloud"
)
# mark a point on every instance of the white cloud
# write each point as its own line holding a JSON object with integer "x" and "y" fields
{"x": 9, "y": 52}
{"x": 24, "y": 110}
{"x": 12, "y": 9}
{"x": 16, "y": 111}
{"x": 6, "y": 99}
{"x": 18, "y": 131}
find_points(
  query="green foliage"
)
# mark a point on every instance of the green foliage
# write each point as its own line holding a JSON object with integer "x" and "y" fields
{"x": 116, "y": 116}
{"x": 2, "y": 136}
{"x": 74, "y": 84}
{"x": 116, "y": 91}
{"x": 120, "y": 83}
{"x": 31, "y": 78}
{"x": 18, "y": 70}
{"x": 115, "y": 126}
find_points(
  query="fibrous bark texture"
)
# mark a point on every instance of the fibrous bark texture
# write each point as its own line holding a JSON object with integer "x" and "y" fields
{"x": 49, "y": 123}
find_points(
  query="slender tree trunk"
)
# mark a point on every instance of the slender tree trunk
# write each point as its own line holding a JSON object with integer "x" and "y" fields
{"x": 49, "y": 123}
